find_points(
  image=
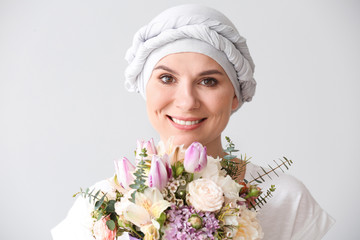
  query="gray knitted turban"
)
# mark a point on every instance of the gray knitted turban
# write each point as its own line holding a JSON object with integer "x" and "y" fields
{"x": 191, "y": 28}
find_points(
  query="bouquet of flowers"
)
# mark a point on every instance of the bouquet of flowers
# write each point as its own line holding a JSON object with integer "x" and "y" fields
{"x": 173, "y": 193}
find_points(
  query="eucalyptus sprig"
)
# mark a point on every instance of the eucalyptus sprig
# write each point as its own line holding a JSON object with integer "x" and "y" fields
{"x": 103, "y": 206}
{"x": 139, "y": 182}
{"x": 233, "y": 168}
{"x": 93, "y": 197}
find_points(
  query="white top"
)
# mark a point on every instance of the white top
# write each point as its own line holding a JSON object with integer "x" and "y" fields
{"x": 292, "y": 213}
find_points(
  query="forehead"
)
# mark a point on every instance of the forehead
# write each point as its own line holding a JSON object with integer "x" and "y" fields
{"x": 189, "y": 61}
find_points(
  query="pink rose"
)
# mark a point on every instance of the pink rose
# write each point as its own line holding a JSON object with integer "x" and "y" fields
{"x": 101, "y": 230}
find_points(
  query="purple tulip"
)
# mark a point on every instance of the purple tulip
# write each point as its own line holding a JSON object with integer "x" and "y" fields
{"x": 158, "y": 175}
{"x": 124, "y": 169}
{"x": 195, "y": 158}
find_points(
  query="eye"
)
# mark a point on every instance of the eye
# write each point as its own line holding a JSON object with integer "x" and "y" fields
{"x": 209, "y": 82}
{"x": 167, "y": 79}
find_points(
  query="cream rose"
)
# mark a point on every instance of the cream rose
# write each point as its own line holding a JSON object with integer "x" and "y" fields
{"x": 205, "y": 195}
{"x": 247, "y": 226}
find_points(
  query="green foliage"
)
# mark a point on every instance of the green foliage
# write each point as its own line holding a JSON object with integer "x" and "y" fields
{"x": 110, "y": 208}
{"x": 139, "y": 182}
{"x": 161, "y": 220}
{"x": 110, "y": 224}
{"x": 261, "y": 200}
{"x": 233, "y": 168}
{"x": 285, "y": 163}
{"x": 93, "y": 197}
{"x": 177, "y": 169}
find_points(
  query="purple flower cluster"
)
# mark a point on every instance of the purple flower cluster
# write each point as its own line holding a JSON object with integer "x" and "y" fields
{"x": 178, "y": 227}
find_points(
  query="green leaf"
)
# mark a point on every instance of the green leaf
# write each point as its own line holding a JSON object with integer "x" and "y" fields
{"x": 132, "y": 199}
{"x": 161, "y": 220}
{"x": 96, "y": 194}
{"x": 100, "y": 202}
{"x": 111, "y": 206}
{"x": 110, "y": 224}
{"x": 97, "y": 205}
{"x": 134, "y": 186}
{"x": 89, "y": 194}
{"x": 229, "y": 157}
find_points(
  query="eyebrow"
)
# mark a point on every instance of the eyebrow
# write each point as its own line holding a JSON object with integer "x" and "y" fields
{"x": 166, "y": 69}
{"x": 207, "y": 72}
{"x": 210, "y": 72}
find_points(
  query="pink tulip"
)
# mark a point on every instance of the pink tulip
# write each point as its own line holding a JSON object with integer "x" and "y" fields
{"x": 124, "y": 169}
{"x": 148, "y": 145}
{"x": 195, "y": 158}
{"x": 101, "y": 230}
{"x": 159, "y": 174}
{"x": 166, "y": 161}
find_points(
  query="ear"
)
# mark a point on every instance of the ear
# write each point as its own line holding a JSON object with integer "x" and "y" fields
{"x": 235, "y": 103}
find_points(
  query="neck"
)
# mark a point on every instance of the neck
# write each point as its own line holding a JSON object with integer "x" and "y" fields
{"x": 215, "y": 148}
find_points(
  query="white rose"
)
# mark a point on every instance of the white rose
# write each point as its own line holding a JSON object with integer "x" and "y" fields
{"x": 205, "y": 195}
{"x": 230, "y": 187}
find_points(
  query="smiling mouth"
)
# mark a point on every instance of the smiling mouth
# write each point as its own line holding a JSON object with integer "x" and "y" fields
{"x": 186, "y": 122}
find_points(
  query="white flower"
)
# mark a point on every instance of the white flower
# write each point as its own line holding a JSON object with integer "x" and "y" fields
{"x": 148, "y": 206}
{"x": 205, "y": 195}
{"x": 176, "y": 153}
{"x": 230, "y": 187}
{"x": 120, "y": 207}
{"x": 111, "y": 195}
{"x": 248, "y": 226}
{"x": 212, "y": 170}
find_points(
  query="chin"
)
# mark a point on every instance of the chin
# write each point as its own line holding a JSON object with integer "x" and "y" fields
{"x": 186, "y": 140}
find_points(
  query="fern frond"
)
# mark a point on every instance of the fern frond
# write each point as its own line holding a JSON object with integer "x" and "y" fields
{"x": 284, "y": 163}
{"x": 261, "y": 200}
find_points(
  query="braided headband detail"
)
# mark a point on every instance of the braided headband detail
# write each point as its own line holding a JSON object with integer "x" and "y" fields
{"x": 222, "y": 37}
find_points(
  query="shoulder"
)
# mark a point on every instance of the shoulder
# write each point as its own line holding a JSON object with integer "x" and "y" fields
{"x": 292, "y": 207}
{"x": 286, "y": 183}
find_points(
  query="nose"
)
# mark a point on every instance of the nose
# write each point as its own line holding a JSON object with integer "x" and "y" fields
{"x": 186, "y": 97}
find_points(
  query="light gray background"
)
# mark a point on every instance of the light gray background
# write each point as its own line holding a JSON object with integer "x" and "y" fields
{"x": 65, "y": 116}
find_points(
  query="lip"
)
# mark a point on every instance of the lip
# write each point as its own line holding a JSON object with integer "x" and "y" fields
{"x": 186, "y": 127}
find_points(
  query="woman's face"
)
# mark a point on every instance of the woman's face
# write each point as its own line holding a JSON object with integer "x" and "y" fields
{"x": 189, "y": 96}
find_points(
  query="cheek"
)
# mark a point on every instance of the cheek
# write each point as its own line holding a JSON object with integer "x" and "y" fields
{"x": 221, "y": 103}
{"x": 156, "y": 101}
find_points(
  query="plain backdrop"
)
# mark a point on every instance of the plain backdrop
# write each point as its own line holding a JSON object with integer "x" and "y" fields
{"x": 65, "y": 115}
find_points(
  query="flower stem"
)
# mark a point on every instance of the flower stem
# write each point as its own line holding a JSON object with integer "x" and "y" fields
{"x": 135, "y": 232}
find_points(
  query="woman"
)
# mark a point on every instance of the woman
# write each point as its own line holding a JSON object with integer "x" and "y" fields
{"x": 194, "y": 70}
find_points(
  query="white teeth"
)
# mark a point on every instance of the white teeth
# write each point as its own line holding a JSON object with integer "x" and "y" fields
{"x": 182, "y": 122}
